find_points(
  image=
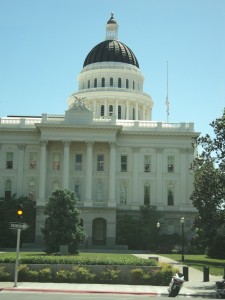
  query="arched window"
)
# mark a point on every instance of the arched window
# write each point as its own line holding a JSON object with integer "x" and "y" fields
{"x": 127, "y": 84}
{"x": 170, "y": 195}
{"x": 32, "y": 190}
{"x": 102, "y": 110}
{"x": 99, "y": 196}
{"x": 103, "y": 82}
{"x": 119, "y": 82}
{"x": 77, "y": 190}
{"x": 146, "y": 194}
{"x": 8, "y": 189}
{"x": 111, "y": 81}
{"x": 110, "y": 110}
{"x": 123, "y": 193}
{"x": 119, "y": 112}
{"x": 55, "y": 186}
{"x": 95, "y": 82}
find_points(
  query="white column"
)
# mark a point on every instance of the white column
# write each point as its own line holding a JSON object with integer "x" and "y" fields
{"x": 127, "y": 113}
{"x": 42, "y": 174}
{"x": 116, "y": 109}
{"x": 66, "y": 163}
{"x": 95, "y": 109}
{"x": 136, "y": 111}
{"x": 135, "y": 176}
{"x": 159, "y": 178}
{"x": 183, "y": 176}
{"x": 112, "y": 174}
{"x": 105, "y": 108}
{"x": 20, "y": 174}
{"x": 144, "y": 113}
{"x": 88, "y": 200}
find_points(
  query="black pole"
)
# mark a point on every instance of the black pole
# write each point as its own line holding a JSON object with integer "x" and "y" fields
{"x": 182, "y": 241}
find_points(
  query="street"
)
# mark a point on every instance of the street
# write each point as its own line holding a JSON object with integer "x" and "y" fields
{"x": 52, "y": 296}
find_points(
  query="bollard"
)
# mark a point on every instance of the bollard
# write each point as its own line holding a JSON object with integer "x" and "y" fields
{"x": 185, "y": 273}
{"x": 205, "y": 274}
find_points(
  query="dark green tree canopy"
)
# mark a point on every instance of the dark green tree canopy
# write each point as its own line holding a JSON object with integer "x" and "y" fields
{"x": 209, "y": 184}
{"x": 63, "y": 224}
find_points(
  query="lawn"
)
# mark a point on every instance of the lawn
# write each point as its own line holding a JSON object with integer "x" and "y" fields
{"x": 216, "y": 266}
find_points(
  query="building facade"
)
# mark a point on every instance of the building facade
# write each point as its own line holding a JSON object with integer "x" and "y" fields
{"x": 105, "y": 148}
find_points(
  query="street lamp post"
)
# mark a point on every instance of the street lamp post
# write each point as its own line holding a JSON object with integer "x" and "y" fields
{"x": 182, "y": 238}
{"x": 158, "y": 228}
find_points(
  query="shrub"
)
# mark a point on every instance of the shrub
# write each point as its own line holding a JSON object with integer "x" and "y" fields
{"x": 110, "y": 275}
{"x": 64, "y": 276}
{"x": 4, "y": 276}
{"x": 45, "y": 275}
{"x": 137, "y": 275}
{"x": 23, "y": 273}
{"x": 83, "y": 275}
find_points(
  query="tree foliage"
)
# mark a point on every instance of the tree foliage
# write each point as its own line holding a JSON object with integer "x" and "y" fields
{"x": 63, "y": 224}
{"x": 209, "y": 185}
{"x": 139, "y": 231}
{"x": 8, "y": 213}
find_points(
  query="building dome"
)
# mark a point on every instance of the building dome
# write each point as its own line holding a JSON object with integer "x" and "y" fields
{"x": 111, "y": 50}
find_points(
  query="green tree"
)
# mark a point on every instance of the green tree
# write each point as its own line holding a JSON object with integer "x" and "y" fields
{"x": 139, "y": 231}
{"x": 209, "y": 182}
{"x": 63, "y": 224}
{"x": 8, "y": 213}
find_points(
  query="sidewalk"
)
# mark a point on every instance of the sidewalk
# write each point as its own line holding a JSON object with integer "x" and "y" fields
{"x": 194, "y": 287}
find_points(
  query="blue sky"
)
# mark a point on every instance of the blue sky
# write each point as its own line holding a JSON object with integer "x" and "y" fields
{"x": 44, "y": 43}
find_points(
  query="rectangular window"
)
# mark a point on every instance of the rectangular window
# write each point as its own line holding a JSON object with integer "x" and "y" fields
{"x": 77, "y": 191}
{"x": 33, "y": 160}
{"x": 170, "y": 164}
{"x": 78, "y": 162}
{"x": 147, "y": 163}
{"x": 111, "y": 81}
{"x": 56, "y": 161}
{"x": 95, "y": 82}
{"x": 127, "y": 83}
{"x": 123, "y": 163}
{"x": 100, "y": 162}
{"x": 9, "y": 160}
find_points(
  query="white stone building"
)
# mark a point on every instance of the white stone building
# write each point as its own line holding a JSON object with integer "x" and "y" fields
{"x": 105, "y": 147}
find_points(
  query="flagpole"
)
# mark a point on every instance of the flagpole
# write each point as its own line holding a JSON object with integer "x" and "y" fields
{"x": 167, "y": 94}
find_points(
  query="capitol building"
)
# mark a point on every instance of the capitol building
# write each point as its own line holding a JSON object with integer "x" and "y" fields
{"x": 105, "y": 147}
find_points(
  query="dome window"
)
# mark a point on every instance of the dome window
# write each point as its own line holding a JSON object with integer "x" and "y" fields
{"x": 133, "y": 85}
{"x": 95, "y": 82}
{"x": 103, "y": 81}
{"x": 119, "y": 112}
{"x": 119, "y": 82}
{"x": 89, "y": 84}
{"x": 111, "y": 81}
{"x": 102, "y": 110}
{"x": 127, "y": 84}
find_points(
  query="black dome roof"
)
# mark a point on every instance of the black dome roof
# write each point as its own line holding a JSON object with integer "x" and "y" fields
{"x": 111, "y": 50}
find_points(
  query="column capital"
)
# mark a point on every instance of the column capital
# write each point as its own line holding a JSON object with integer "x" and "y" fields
{"x": 90, "y": 143}
{"x": 21, "y": 146}
{"x": 43, "y": 142}
{"x": 66, "y": 142}
{"x": 112, "y": 144}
